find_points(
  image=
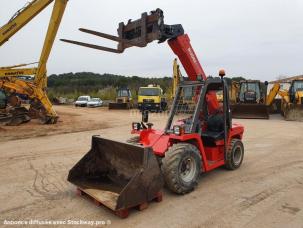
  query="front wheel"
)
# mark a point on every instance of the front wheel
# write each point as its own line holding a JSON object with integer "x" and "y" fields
{"x": 234, "y": 154}
{"x": 181, "y": 167}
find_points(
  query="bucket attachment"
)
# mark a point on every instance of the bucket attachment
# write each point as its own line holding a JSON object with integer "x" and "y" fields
{"x": 118, "y": 106}
{"x": 118, "y": 175}
{"x": 294, "y": 112}
{"x": 249, "y": 111}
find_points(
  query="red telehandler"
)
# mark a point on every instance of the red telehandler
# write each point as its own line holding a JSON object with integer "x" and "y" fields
{"x": 199, "y": 135}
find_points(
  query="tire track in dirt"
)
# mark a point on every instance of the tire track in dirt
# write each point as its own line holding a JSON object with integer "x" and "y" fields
{"x": 13, "y": 159}
{"x": 49, "y": 184}
{"x": 236, "y": 210}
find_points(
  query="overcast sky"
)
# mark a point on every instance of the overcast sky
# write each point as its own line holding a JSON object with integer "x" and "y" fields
{"x": 259, "y": 39}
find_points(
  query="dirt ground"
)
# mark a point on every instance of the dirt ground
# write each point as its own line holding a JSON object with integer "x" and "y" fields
{"x": 267, "y": 191}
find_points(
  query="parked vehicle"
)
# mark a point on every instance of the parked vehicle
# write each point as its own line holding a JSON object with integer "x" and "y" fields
{"x": 123, "y": 99}
{"x": 94, "y": 102}
{"x": 82, "y": 101}
{"x": 151, "y": 98}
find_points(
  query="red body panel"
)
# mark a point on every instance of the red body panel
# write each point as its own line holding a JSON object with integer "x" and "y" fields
{"x": 212, "y": 157}
{"x": 182, "y": 48}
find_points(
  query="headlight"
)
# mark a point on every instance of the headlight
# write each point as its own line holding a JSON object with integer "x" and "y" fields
{"x": 178, "y": 130}
{"x": 136, "y": 126}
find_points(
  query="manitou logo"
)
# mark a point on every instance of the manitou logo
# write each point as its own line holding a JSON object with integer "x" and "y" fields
{"x": 192, "y": 55}
{"x": 9, "y": 29}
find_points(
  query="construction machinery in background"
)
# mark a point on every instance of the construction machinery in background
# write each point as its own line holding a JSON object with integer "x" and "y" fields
{"x": 124, "y": 99}
{"x": 40, "y": 105}
{"x": 292, "y": 99}
{"x": 233, "y": 91}
{"x": 177, "y": 77}
{"x": 273, "y": 104}
{"x": 248, "y": 99}
{"x": 151, "y": 98}
{"x": 17, "y": 71}
{"x": 121, "y": 176}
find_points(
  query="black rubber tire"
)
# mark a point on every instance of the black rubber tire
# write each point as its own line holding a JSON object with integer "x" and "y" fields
{"x": 236, "y": 146}
{"x": 171, "y": 165}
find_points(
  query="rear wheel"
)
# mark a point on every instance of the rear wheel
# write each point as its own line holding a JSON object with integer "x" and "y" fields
{"x": 234, "y": 154}
{"x": 181, "y": 167}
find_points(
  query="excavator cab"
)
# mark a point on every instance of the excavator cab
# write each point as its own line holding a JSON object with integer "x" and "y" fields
{"x": 250, "y": 92}
{"x": 3, "y": 99}
{"x": 123, "y": 99}
{"x": 292, "y": 101}
{"x": 251, "y": 100}
{"x": 296, "y": 92}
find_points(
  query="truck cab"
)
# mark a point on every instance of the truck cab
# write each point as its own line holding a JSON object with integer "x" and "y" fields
{"x": 151, "y": 98}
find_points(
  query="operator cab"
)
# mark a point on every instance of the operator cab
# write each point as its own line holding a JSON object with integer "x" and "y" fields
{"x": 212, "y": 112}
{"x": 196, "y": 109}
{"x": 296, "y": 86}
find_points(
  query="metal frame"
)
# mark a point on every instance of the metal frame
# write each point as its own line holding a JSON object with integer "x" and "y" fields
{"x": 177, "y": 96}
{"x": 136, "y": 33}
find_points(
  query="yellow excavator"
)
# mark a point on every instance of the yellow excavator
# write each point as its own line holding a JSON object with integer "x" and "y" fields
{"x": 177, "y": 77}
{"x": 123, "y": 100}
{"x": 248, "y": 99}
{"x": 292, "y": 100}
{"x": 35, "y": 90}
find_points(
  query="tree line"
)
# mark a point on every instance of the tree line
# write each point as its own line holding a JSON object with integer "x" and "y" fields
{"x": 72, "y": 85}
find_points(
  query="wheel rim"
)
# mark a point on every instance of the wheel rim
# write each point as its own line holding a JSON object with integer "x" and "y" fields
{"x": 187, "y": 169}
{"x": 237, "y": 155}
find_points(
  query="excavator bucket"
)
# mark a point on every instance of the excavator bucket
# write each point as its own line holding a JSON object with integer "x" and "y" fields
{"x": 118, "y": 175}
{"x": 118, "y": 106}
{"x": 294, "y": 112}
{"x": 250, "y": 111}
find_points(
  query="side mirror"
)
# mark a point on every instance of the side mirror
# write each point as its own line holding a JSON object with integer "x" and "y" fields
{"x": 145, "y": 116}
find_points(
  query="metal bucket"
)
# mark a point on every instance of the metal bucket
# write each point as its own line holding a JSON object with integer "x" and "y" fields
{"x": 118, "y": 106}
{"x": 249, "y": 111}
{"x": 294, "y": 112}
{"x": 118, "y": 175}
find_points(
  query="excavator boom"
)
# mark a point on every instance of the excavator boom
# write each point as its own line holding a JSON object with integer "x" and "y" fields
{"x": 21, "y": 18}
{"x": 41, "y": 106}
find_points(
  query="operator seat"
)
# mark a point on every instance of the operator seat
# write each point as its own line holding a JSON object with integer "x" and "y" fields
{"x": 214, "y": 130}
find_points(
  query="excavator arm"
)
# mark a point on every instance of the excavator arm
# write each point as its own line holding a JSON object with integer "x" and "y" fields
{"x": 21, "y": 18}
{"x": 176, "y": 77}
{"x": 14, "y": 71}
{"x": 35, "y": 90}
{"x": 272, "y": 94}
